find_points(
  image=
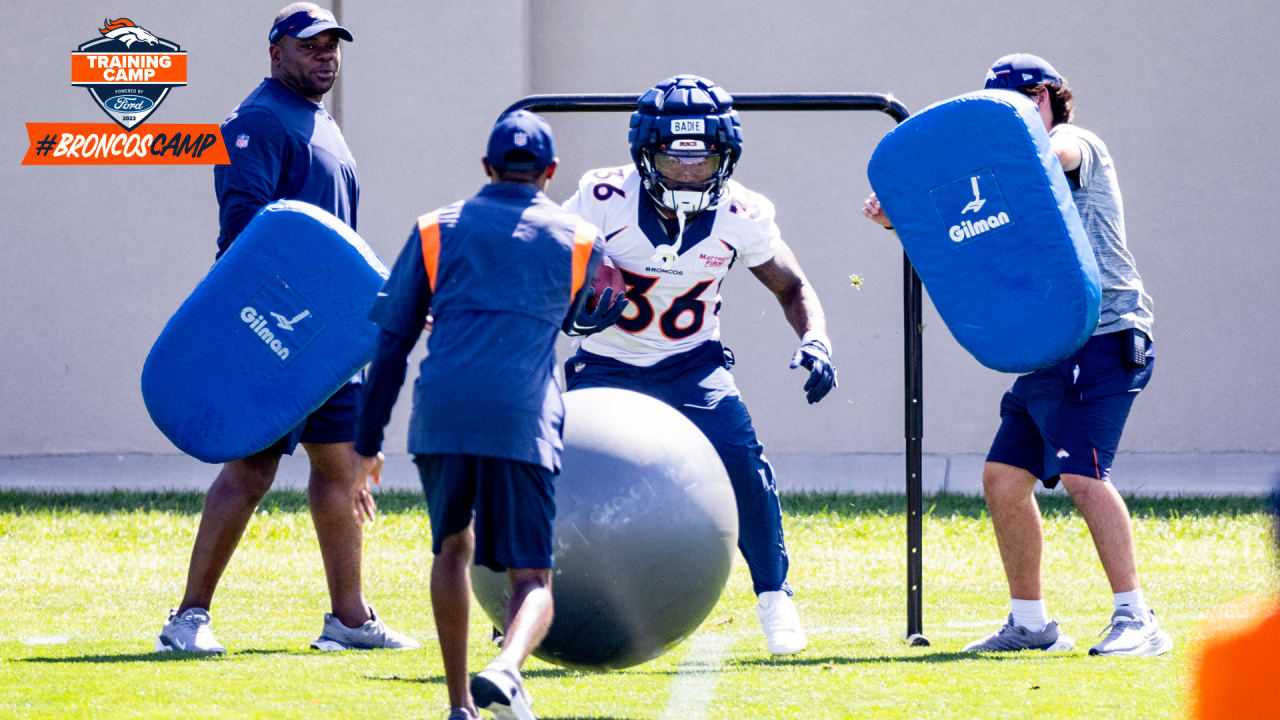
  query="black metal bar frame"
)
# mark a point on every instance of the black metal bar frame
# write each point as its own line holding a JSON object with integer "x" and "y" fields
{"x": 911, "y": 301}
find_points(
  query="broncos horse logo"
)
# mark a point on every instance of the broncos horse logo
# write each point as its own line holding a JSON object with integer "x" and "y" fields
{"x": 126, "y": 32}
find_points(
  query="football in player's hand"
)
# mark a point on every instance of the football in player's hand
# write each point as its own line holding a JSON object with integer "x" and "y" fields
{"x": 607, "y": 276}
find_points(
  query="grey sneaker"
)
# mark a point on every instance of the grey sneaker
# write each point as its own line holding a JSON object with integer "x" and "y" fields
{"x": 1130, "y": 635}
{"x": 189, "y": 632}
{"x": 500, "y": 690}
{"x": 1013, "y": 637}
{"x": 373, "y": 634}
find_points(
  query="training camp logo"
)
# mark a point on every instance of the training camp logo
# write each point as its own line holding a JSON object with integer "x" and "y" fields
{"x": 128, "y": 70}
{"x": 982, "y": 207}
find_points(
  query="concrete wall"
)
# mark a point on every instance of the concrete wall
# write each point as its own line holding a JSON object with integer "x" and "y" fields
{"x": 95, "y": 259}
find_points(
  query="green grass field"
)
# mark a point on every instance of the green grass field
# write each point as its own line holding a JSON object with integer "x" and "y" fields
{"x": 88, "y": 580}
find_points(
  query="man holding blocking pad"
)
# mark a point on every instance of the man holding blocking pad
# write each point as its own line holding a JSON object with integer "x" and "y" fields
{"x": 284, "y": 144}
{"x": 1063, "y": 422}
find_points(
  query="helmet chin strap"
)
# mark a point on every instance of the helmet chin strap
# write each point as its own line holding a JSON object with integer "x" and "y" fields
{"x": 682, "y": 203}
{"x": 686, "y": 203}
{"x": 680, "y": 220}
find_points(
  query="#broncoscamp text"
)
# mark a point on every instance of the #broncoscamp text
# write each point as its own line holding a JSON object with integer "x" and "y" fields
{"x": 105, "y": 145}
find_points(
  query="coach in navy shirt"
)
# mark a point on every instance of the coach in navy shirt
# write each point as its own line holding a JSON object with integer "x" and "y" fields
{"x": 283, "y": 144}
{"x": 500, "y": 274}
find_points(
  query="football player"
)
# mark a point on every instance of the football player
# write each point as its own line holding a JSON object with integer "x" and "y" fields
{"x": 674, "y": 223}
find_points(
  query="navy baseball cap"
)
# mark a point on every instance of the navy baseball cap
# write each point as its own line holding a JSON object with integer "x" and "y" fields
{"x": 521, "y": 140}
{"x": 1019, "y": 70}
{"x": 307, "y": 22}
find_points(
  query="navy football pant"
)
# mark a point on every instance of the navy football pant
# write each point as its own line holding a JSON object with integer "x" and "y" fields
{"x": 700, "y": 386}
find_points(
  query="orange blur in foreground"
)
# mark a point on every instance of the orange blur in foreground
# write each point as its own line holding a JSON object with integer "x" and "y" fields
{"x": 1237, "y": 666}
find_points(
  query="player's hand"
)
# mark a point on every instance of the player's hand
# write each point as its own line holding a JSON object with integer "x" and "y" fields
{"x": 815, "y": 356}
{"x": 608, "y": 311}
{"x": 872, "y": 211}
{"x": 368, "y": 469}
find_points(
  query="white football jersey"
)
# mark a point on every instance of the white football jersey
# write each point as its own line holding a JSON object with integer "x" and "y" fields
{"x": 674, "y": 289}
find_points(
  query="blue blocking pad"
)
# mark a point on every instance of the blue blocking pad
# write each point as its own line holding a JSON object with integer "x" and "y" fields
{"x": 985, "y": 215}
{"x": 278, "y": 324}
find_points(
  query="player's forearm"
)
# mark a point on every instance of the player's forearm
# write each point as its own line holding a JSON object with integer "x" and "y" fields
{"x": 799, "y": 301}
{"x": 803, "y": 310}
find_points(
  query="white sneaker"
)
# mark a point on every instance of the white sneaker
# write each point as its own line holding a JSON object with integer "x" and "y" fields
{"x": 372, "y": 635}
{"x": 783, "y": 632}
{"x": 1130, "y": 635}
{"x": 500, "y": 690}
{"x": 189, "y": 632}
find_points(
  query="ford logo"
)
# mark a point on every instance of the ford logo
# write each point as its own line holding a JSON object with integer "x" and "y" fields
{"x": 129, "y": 103}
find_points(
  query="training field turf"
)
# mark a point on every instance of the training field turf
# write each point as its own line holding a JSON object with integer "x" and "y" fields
{"x": 89, "y": 579}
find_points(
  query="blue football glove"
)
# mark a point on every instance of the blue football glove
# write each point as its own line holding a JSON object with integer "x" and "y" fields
{"x": 606, "y": 313}
{"x": 815, "y": 355}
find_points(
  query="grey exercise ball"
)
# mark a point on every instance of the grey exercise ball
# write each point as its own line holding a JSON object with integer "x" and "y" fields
{"x": 645, "y": 530}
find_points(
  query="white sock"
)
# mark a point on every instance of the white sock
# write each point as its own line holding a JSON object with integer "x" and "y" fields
{"x": 1030, "y": 614}
{"x": 1133, "y": 602}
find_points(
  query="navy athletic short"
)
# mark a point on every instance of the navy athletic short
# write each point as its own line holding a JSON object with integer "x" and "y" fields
{"x": 512, "y": 502}
{"x": 332, "y": 422}
{"x": 1068, "y": 418}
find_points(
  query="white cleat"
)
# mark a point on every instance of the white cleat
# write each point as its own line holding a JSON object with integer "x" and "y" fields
{"x": 783, "y": 632}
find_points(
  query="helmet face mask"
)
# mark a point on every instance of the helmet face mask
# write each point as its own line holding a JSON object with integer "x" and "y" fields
{"x": 685, "y": 183}
{"x": 685, "y": 140}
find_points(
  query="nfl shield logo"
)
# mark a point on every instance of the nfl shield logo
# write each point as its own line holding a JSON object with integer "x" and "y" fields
{"x": 520, "y": 139}
{"x": 242, "y": 141}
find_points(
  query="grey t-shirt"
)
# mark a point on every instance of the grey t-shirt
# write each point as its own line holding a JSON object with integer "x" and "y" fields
{"x": 1097, "y": 196}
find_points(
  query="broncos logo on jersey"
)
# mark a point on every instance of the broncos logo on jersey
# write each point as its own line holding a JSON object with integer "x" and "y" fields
{"x": 124, "y": 30}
